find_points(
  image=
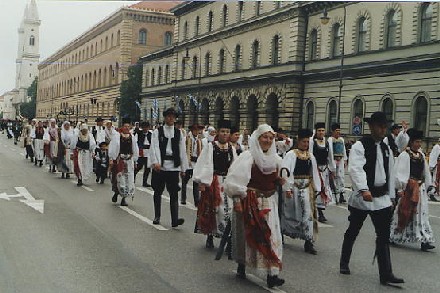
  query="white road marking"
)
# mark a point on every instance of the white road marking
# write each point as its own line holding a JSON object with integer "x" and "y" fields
{"x": 431, "y": 216}
{"x": 83, "y": 186}
{"x": 143, "y": 219}
{"x": 322, "y": 225}
{"x": 435, "y": 203}
{"x": 29, "y": 200}
{"x": 342, "y": 207}
{"x": 21, "y": 154}
{"x": 261, "y": 283}
{"x": 143, "y": 189}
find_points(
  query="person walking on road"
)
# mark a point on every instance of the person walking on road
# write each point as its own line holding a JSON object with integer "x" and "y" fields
{"x": 83, "y": 146}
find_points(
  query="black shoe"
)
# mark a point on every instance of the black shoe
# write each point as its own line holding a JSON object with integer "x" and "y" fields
{"x": 308, "y": 247}
{"x": 115, "y": 197}
{"x": 209, "y": 242}
{"x": 79, "y": 183}
{"x": 241, "y": 271}
{"x": 156, "y": 221}
{"x": 322, "y": 218}
{"x": 97, "y": 179}
{"x": 179, "y": 223}
{"x": 344, "y": 269}
{"x": 27, "y": 156}
{"x": 123, "y": 203}
{"x": 342, "y": 199}
{"x": 432, "y": 198}
{"x": 146, "y": 185}
{"x": 273, "y": 281}
{"x": 41, "y": 163}
{"x": 35, "y": 162}
{"x": 62, "y": 176}
{"x": 102, "y": 181}
{"x": 67, "y": 176}
{"x": 426, "y": 246}
{"x": 391, "y": 279}
{"x": 183, "y": 202}
{"x": 32, "y": 159}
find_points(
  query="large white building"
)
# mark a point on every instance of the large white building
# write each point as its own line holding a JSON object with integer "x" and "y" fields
{"x": 28, "y": 57}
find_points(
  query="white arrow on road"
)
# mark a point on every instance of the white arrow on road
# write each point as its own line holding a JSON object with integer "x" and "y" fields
{"x": 29, "y": 200}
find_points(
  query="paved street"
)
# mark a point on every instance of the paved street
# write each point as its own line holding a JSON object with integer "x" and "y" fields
{"x": 64, "y": 238}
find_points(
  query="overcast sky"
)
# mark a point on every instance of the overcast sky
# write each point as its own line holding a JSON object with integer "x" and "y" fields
{"x": 61, "y": 22}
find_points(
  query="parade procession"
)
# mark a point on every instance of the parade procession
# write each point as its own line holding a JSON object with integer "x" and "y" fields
{"x": 219, "y": 146}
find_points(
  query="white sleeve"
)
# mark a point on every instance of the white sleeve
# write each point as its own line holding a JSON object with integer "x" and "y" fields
{"x": 289, "y": 162}
{"x": 92, "y": 145}
{"x": 315, "y": 174}
{"x": 402, "y": 167}
{"x": 392, "y": 175}
{"x": 428, "y": 177}
{"x": 73, "y": 142}
{"x": 331, "y": 158}
{"x": 135, "y": 148}
{"x": 204, "y": 169}
{"x": 184, "y": 158}
{"x": 155, "y": 151}
{"x": 239, "y": 175}
{"x": 433, "y": 156}
{"x": 402, "y": 140}
{"x": 113, "y": 148}
{"x": 356, "y": 167}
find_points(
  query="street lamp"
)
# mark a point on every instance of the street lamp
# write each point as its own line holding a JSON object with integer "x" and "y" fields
{"x": 324, "y": 20}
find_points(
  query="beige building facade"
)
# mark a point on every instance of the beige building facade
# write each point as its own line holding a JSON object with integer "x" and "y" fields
{"x": 82, "y": 80}
{"x": 280, "y": 63}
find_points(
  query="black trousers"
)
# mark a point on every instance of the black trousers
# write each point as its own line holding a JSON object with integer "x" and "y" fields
{"x": 142, "y": 163}
{"x": 29, "y": 151}
{"x": 381, "y": 220}
{"x": 101, "y": 172}
{"x": 185, "y": 180}
{"x": 170, "y": 180}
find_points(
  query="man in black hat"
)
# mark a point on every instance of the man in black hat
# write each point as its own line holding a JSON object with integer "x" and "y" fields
{"x": 320, "y": 148}
{"x": 168, "y": 160}
{"x": 397, "y": 139}
{"x": 144, "y": 142}
{"x": 372, "y": 175}
{"x": 337, "y": 144}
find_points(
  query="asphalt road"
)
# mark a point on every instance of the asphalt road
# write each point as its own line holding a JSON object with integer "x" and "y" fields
{"x": 82, "y": 242}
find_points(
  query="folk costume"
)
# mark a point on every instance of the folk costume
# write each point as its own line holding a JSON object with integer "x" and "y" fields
{"x": 102, "y": 162}
{"x": 320, "y": 148}
{"x": 27, "y": 141}
{"x": 397, "y": 143}
{"x": 144, "y": 144}
{"x": 371, "y": 169}
{"x": 66, "y": 163}
{"x": 83, "y": 146}
{"x": 52, "y": 130}
{"x": 109, "y": 131}
{"x": 214, "y": 208}
{"x": 299, "y": 217}
{"x": 434, "y": 166}
{"x": 411, "y": 217}
{"x": 238, "y": 148}
{"x": 337, "y": 146}
{"x": 124, "y": 152}
{"x": 193, "y": 151}
{"x": 256, "y": 233}
{"x": 244, "y": 141}
{"x": 39, "y": 144}
{"x": 98, "y": 131}
{"x": 169, "y": 151}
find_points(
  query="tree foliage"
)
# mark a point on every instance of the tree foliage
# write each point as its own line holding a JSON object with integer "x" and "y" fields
{"x": 29, "y": 109}
{"x": 130, "y": 93}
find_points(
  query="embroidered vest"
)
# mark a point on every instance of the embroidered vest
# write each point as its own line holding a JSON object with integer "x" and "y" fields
{"x": 371, "y": 156}
{"x": 175, "y": 141}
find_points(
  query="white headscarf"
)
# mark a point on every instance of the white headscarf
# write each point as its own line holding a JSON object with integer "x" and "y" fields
{"x": 267, "y": 162}
{"x": 66, "y": 135}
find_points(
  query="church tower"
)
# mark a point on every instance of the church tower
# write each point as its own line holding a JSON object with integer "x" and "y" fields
{"x": 28, "y": 54}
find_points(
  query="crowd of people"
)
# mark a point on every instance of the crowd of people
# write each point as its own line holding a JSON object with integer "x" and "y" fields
{"x": 252, "y": 190}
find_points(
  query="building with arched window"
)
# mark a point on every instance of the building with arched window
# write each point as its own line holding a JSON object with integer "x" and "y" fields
{"x": 87, "y": 73}
{"x": 278, "y": 62}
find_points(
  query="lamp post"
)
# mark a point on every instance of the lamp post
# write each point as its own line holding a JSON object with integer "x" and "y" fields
{"x": 324, "y": 20}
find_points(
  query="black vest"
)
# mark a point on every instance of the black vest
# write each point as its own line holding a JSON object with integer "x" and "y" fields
{"x": 371, "y": 156}
{"x": 321, "y": 153}
{"x": 175, "y": 142}
{"x": 141, "y": 139}
{"x": 393, "y": 145}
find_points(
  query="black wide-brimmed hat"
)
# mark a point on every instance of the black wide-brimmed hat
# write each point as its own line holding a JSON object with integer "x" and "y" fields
{"x": 170, "y": 111}
{"x": 414, "y": 134}
{"x": 336, "y": 126}
{"x": 304, "y": 133}
{"x": 378, "y": 118}
{"x": 395, "y": 126}
{"x": 319, "y": 125}
{"x": 224, "y": 124}
{"x": 234, "y": 129}
{"x": 144, "y": 124}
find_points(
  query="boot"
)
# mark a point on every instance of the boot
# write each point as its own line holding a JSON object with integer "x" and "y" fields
{"x": 347, "y": 248}
{"x": 210, "y": 242}
{"x": 80, "y": 183}
{"x": 273, "y": 281}
{"x": 32, "y": 159}
{"x": 308, "y": 247}
{"x": 35, "y": 163}
{"x": 321, "y": 217}
{"x": 67, "y": 176}
{"x": 62, "y": 176}
{"x": 385, "y": 268}
{"x": 123, "y": 203}
{"x": 425, "y": 246}
{"x": 41, "y": 163}
{"x": 341, "y": 198}
{"x": 115, "y": 197}
{"x": 241, "y": 271}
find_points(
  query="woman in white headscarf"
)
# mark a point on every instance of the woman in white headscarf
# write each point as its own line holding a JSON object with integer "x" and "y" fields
{"x": 83, "y": 145}
{"x": 66, "y": 164}
{"x": 252, "y": 183}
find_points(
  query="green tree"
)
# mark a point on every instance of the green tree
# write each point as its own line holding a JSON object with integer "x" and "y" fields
{"x": 130, "y": 93}
{"x": 29, "y": 109}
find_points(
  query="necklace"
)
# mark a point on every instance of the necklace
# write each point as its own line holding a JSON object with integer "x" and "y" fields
{"x": 302, "y": 155}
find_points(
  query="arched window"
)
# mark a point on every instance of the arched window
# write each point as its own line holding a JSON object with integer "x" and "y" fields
{"x": 168, "y": 40}
{"x": 358, "y": 115}
{"x": 252, "y": 106}
{"x": 420, "y": 113}
{"x": 142, "y": 37}
{"x": 32, "y": 41}
{"x": 388, "y": 108}
{"x": 314, "y": 45}
{"x": 195, "y": 66}
{"x": 111, "y": 45}
{"x": 310, "y": 115}
{"x": 106, "y": 43}
{"x": 167, "y": 73}
{"x": 118, "y": 39}
{"x": 181, "y": 110}
{"x": 207, "y": 64}
{"x": 257, "y": 8}
{"x": 222, "y": 61}
{"x": 159, "y": 75}
{"x": 337, "y": 36}
{"x": 183, "y": 68}
{"x": 275, "y": 49}
{"x": 240, "y": 10}
{"x": 272, "y": 111}
{"x": 111, "y": 75}
{"x": 99, "y": 78}
{"x": 237, "y": 61}
{"x": 219, "y": 109}
{"x": 91, "y": 51}
{"x": 362, "y": 35}
{"x": 425, "y": 22}
{"x": 210, "y": 21}
{"x": 185, "y": 30}
{"x": 225, "y": 15}
{"x": 235, "y": 111}
{"x": 332, "y": 114}
{"x": 391, "y": 29}
{"x": 204, "y": 111}
{"x": 153, "y": 77}
{"x": 197, "y": 26}
{"x": 255, "y": 53}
